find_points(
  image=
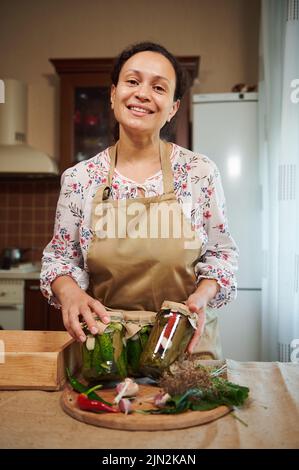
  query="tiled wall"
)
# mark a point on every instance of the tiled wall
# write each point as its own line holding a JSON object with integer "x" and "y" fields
{"x": 27, "y": 211}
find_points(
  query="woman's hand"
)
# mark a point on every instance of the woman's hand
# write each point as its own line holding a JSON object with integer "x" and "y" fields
{"x": 197, "y": 303}
{"x": 74, "y": 302}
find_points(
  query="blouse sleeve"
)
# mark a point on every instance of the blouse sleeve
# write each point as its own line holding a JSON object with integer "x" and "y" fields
{"x": 63, "y": 255}
{"x": 219, "y": 257}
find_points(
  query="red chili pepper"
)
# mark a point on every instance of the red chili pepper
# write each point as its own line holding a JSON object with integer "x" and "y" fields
{"x": 93, "y": 405}
{"x": 170, "y": 325}
{"x": 86, "y": 404}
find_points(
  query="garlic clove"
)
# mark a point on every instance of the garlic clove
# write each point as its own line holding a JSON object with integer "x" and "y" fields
{"x": 160, "y": 399}
{"x": 90, "y": 342}
{"x": 127, "y": 388}
{"x": 125, "y": 406}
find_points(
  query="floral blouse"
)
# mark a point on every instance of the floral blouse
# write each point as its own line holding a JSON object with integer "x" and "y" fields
{"x": 198, "y": 189}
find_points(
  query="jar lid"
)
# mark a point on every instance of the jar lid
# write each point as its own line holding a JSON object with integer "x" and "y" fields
{"x": 142, "y": 317}
{"x": 175, "y": 307}
{"x": 115, "y": 316}
{"x": 137, "y": 319}
{"x": 180, "y": 308}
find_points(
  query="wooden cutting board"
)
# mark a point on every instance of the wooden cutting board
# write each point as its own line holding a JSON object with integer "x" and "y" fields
{"x": 137, "y": 421}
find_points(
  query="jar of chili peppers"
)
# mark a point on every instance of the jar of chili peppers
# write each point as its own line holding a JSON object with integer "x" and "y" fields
{"x": 170, "y": 335}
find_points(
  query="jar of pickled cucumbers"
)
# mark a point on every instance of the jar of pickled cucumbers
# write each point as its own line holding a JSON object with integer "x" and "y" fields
{"x": 104, "y": 355}
{"x": 174, "y": 327}
{"x": 138, "y": 325}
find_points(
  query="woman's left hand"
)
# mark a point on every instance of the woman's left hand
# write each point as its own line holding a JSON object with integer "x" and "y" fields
{"x": 197, "y": 303}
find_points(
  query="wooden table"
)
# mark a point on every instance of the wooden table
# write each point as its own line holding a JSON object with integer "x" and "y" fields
{"x": 35, "y": 419}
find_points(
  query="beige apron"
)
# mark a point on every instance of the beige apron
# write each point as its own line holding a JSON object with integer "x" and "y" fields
{"x": 143, "y": 252}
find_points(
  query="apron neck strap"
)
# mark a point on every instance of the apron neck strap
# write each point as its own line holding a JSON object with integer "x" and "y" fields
{"x": 165, "y": 164}
{"x": 166, "y": 168}
{"x": 113, "y": 157}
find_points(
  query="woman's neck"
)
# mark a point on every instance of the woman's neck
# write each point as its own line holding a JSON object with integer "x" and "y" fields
{"x": 138, "y": 149}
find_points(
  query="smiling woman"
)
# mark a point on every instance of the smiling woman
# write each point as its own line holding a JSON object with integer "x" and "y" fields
{"x": 122, "y": 270}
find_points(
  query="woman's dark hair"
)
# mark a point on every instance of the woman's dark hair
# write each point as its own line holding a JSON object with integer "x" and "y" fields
{"x": 168, "y": 128}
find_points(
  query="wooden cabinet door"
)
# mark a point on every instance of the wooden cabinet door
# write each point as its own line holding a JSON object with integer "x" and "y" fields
{"x": 39, "y": 315}
{"x": 55, "y": 322}
{"x": 36, "y": 307}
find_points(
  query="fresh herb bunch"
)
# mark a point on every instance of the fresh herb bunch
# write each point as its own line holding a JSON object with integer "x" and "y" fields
{"x": 192, "y": 386}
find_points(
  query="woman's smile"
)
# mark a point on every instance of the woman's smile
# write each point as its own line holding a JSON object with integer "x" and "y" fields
{"x": 138, "y": 110}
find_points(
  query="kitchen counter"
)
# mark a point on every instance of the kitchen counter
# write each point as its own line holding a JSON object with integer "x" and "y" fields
{"x": 270, "y": 419}
{"x": 6, "y": 274}
{"x": 23, "y": 271}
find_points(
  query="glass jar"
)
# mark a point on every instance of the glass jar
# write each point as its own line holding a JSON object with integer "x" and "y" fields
{"x": 138, "y": 326}
{"x": 170, "y": 335}
{"x": 104, "y": 355}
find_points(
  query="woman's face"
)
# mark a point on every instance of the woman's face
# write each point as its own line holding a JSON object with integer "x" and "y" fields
{"x": 143, "y": 98}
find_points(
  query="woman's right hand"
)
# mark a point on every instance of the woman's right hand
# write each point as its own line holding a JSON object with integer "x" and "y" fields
{"x": 75, "y": 302}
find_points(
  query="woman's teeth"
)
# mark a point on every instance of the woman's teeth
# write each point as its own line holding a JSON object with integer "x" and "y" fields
{"x": 139, "y": 110}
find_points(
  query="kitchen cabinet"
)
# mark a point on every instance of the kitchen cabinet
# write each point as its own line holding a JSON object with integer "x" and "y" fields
{"x": 39, "y": 315}
{"x": 86, "y": 119}
{"x": 11, "y": 304}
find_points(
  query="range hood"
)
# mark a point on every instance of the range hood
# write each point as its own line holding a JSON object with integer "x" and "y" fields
{"x": 17, "y": 158}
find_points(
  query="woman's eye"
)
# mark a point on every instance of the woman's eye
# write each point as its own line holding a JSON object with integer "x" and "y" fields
{"x": 159, "y": 88}
{"x": 132, "y": 81}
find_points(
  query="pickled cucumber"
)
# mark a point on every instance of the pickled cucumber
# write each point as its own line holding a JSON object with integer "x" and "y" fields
{"x": 106, "y": 347}
{"x": 96, "y": 359}
{"x": 86, "y": 357}
{"x": 143, "y": 340}
{"x": 120, "y": 356}
{"x": 121, "y": 364}
{"x": 134, "y": 351}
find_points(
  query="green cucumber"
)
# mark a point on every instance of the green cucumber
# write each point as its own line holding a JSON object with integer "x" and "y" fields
{"x": 86, "y": 357}
{"x": 106, "y": 347}
{"x": 145, "y": 329}
{"x": 133, "y": 354}
{"x": 97, "y": 357}
{"x": 143, "y": 340}
{"x": 115, "y": 326}
{"x": 121, "y": 364}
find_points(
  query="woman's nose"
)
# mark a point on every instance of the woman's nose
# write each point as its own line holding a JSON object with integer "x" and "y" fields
{"x": 143, "y": 92}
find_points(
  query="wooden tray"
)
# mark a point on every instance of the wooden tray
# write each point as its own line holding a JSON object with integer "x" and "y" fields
{"x": 36, "y": 360}
{"x": 137, "y": 421}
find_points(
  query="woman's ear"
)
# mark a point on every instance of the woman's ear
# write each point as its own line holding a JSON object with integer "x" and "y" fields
{"x": 174, "y": 110}
{"x": 112, "y": 95}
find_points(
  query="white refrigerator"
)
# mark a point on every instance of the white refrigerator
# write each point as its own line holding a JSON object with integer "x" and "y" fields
{"x": 224, "y": 127}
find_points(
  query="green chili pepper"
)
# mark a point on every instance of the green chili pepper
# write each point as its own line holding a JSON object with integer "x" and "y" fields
{"x": 76, "y": 385}
{"x": 81, "y": 388}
